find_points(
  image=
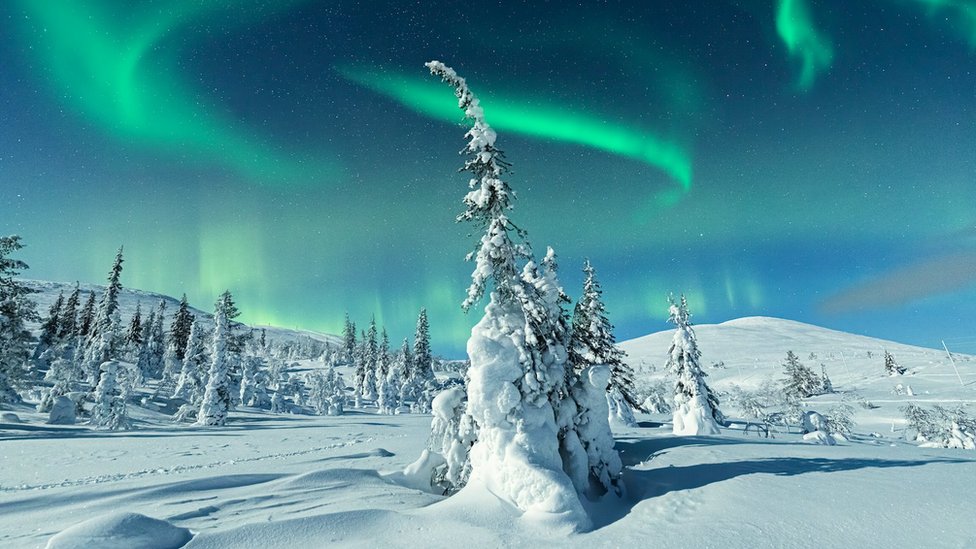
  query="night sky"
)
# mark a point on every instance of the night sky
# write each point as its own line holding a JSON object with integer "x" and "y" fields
{"x": 805, "y": 159}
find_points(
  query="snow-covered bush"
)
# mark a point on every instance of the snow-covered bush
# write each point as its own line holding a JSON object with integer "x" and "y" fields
{"x": 655, "y": 397}
{"x": 941, "y": 427}
{"x": 840, "y": 420}
{"x": 453, "y": 432}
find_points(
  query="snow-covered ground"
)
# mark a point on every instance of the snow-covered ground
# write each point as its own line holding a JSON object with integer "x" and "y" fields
{"x": 270, "y": 480}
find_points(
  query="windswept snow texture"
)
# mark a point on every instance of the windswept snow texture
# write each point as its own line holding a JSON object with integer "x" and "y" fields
{"x": 291, "y": 481}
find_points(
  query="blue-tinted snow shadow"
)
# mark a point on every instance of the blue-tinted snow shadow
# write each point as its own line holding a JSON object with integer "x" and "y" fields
{"x": 645, "y": 484}
{"x": 638, "y": 450}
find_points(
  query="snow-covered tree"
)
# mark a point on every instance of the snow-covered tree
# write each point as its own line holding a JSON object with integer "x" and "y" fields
{"x": 109, "y": 303}
{"x": 326, "y": 392}
{"x": 399, "y": 375}
{"x": 87, "y": 317}
{"x": 695, "y": 409}
{"x": 383, "y": 357}
{"x": 387, "y": 386}
{"x": 69, "y": 315}
{"x": 51, "y": 326}
{"x": 134, "y": 335}
{"x": 349, "y": 340}
{"x": 253, "y": 391}
{"x": 370, "y": 358}
{"x": 156, "y": 342}
{"x": 593, "y": 341}
{"x": 195, "y": 364}
{"x": 941, "y": 427}
{"x": 514, "y": 378}
{"x": 216, "y": 398}
{"x": 593, "y": 431}
{"x": 109, "y": 411}
{"x": 453, "y": 432}
{"x": 581, "y": 400}
{"x": 826, "y": 386}
{"x": 179, "y": 330}
{"x": 801, "y": 381}
{"x": 422, "y": 357}
{"x": 104, "y": 334}
{"x": 891, "y": 367}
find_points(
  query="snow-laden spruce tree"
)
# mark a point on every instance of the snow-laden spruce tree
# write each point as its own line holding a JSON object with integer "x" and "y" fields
{"x": 892, "y": 368}
{"x": 109, "y": 411}
{"x": 510, "y": 392}
{"x": 179, "y": 330}
{"x": 156, "y": 343}
{"x": 423, "y": 360}
{"x": 348, "y": 340}
{"x": 87, "y": 316}
{"x": 216, "y": 397}
{"x": 800, "y": 381}
{"x": 191, "y": 383}
{"x": 16, "y": 310}
{"x": 593, "y": 343}
{"x": 826, "y": 386}
{"x": 101, "y": 339}
{"x": 695, "y": 410}
{"x": 399, "y": 374}
{"x": 51, "y": 326}
{"x": 133, "y": 336}
{"x": 69, "y": 315}
{"x": 370, "y": 361}
{"x": 581, "y": 403}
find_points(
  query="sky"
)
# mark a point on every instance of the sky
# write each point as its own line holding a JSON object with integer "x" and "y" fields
{"x": 811, "y": 160}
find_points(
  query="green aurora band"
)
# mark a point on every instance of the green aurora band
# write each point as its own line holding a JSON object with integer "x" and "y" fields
{"x": 541, "y": 121}
{"x": 117, "y": 69}
{"x": 959, "y": 14}
{"x": 803, "y": 40}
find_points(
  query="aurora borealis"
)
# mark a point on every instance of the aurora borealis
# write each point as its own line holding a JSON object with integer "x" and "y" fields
{"x": 797, "y": 158}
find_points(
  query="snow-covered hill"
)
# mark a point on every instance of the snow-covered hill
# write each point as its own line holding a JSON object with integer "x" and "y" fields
{"x": 289, "y": 481}
{"x": 748, "y": 351}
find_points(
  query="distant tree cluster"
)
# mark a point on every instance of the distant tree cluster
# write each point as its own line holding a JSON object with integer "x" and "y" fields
{"x": 392, "y": 381}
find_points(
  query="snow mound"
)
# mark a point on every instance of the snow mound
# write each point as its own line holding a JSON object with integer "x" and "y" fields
{"x": 121, "y": 531}
{"x": 62, "y": 411}
{"x": 10, "y": 417}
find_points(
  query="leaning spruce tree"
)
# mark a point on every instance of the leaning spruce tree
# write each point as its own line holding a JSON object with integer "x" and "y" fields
{"x": 517, "y": 372}
{"x": 695, "y": 405}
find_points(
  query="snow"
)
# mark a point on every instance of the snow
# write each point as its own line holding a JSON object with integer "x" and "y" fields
{"x": 62, "y": 411}
{"x": 517, "y": 461}
{"x": 121, "y": 531}
{"x": 268, "y": 480}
